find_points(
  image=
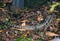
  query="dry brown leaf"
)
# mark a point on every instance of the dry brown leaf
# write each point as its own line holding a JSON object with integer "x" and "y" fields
{"x": 21, "y": 29}
{"x": 23, "y": 24}
{"x": 39, "y": 18}
{"x": 1, "y": 30}
{"x": 25, "y": 21}
{"x": 51, "y": 34}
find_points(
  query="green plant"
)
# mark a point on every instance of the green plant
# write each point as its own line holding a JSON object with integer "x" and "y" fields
{"x": 8, "y": 22}
{"x": 53, "y": 6}
{"x": 1, "y": 27}
{"x": 40, "y": 39}
{"x": 2, "y": 4}
{"x": 35, "y": 3}
{"x": 24, "y": 39}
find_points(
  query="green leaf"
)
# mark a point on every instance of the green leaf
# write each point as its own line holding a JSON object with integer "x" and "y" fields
{"x": 8, "y": 22}
{"x": 24, "y": 39}
{"x": 40, "y": 39}
{"x": 28, "y": 39}
{"x": 53, "y": 6}
{"x": 1, "y": 26}
{"x": 19, "y": 39}
{"x": 2, "y": 4}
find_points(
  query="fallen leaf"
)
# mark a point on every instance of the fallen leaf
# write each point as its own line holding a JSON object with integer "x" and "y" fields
{"x": 51, "y": 34}
{"x": 21, "y": 29}
{"x": 1, "y": 30}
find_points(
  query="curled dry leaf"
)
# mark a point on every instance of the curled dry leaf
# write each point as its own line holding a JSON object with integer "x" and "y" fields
{"x": 23, "y": 24}
{"x": 39, "y": 18}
